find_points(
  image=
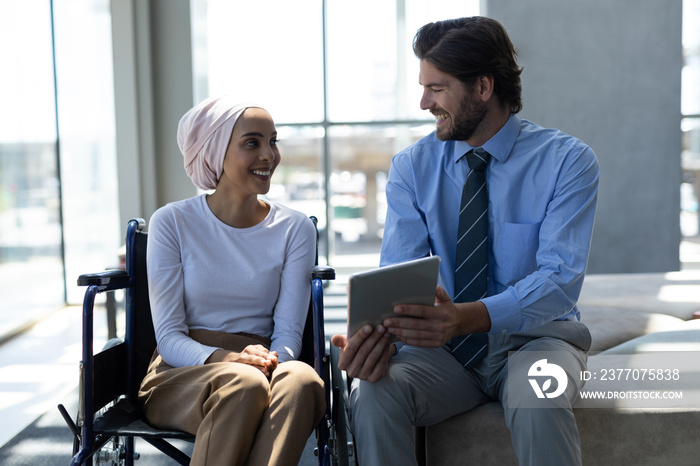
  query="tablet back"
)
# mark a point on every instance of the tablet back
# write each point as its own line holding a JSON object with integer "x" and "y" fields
{"x": 373, "y": 294}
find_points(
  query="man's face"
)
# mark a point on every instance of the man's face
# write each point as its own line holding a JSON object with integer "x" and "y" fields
{"x": 458, "y": 110}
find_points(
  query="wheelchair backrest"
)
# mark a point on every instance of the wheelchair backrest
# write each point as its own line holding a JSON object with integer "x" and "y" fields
{"x": 139, "y": 311}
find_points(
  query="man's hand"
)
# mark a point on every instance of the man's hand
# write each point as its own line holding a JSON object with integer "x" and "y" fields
{"x": 435, "y": 325}
{"x": 365, "y": 355}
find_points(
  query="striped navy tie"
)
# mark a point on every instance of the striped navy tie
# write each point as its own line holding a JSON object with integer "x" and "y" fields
{"x": 472, "y": 253}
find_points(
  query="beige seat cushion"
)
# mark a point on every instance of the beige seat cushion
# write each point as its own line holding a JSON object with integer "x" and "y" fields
{"x": 684, "y": 337}
{"x": 674, "y": 293}
{"x": 610, "y": 327}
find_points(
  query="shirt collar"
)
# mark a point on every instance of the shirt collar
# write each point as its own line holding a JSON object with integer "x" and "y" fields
{"x": 499, "y": 146}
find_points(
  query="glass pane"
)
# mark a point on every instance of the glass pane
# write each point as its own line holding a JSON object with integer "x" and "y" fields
{"x": 298, "y": 181}
{"x": 361, "y": 60}
{"x": 419, "y": 13}
{"x": 690, "y": 127}
{"x": 690, "y": 188}
{"x": 372, "y": 71}
{"x": 269, "y": 53}
{"x": 690, "y": 87}
{"x": 361, "y": 157}
{"x": 30, "y": 235}
{"x": 372, "y": 76}
{"x": 92, "y": 233}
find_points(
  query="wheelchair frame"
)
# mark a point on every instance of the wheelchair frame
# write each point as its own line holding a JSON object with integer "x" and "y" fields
{"x": 108, "y": 404}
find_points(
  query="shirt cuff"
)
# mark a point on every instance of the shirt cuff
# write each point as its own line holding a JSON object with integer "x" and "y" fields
{"x": 284, "y": 352}
{"x": 504, "y": 311}
{"x": 203, "y": 355}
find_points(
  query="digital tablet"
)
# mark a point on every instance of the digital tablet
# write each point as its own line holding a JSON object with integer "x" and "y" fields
{"x": 373, "y": 294}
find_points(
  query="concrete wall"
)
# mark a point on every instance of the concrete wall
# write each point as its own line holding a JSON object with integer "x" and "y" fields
{"x": 609, "y": 73}
{"x": 153, "y": 88}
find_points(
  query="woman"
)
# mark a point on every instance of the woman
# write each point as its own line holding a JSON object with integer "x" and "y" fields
{"x": 228, "y": 277}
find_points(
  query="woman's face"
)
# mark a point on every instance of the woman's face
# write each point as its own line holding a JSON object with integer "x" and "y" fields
{"x": 252, "y": 154}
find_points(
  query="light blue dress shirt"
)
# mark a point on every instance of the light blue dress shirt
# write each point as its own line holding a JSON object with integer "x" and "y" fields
{"x": 542, "y": 186}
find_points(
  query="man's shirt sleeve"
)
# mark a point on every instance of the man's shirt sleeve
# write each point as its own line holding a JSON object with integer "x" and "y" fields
{"x": 559, "y": 244}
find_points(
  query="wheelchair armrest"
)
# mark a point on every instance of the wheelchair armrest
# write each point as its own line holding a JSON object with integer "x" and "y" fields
{"x": 323, "y": 272}
{"x": 108, "y": 277}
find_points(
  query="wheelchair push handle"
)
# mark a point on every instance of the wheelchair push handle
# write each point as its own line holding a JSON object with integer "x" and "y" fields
{"x": 108, "y": 277}
{"x": 323, "y": 272}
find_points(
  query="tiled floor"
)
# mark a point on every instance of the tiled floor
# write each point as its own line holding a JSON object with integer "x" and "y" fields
{"x": 39, "y": 369}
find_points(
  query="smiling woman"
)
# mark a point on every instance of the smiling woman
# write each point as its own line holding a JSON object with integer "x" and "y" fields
{"x": 210, "y": 309}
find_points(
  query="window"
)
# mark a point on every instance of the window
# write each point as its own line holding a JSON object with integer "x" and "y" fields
{"x": 341, "y": 81}
{"x": 58, "y": 196}
{"x": 84, "y": 78}
{"x": 30, "y": 228}
{"x": 690, "y": 127}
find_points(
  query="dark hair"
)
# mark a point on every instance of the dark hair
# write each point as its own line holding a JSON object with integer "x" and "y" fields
{"x": 468, "y": 48}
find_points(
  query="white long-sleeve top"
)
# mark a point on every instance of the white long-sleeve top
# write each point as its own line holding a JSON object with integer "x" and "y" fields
{"x": 204, "y": 274}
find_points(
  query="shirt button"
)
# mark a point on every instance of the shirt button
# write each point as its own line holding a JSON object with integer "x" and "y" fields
{"x": 504, "y": 331}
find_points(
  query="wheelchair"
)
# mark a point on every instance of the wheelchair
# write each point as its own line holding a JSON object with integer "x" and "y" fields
{"x": 109, "y": 414}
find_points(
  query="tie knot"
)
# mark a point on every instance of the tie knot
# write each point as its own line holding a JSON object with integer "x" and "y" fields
{"x": 478, "y": 159}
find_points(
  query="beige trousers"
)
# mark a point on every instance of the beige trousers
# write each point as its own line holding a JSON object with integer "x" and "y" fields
{"x": 239, "y": 417}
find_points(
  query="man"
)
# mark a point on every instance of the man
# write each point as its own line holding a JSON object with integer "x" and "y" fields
{"x": 541, "y": 189}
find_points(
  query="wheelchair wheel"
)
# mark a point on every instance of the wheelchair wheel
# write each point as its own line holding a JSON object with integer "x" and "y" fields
{"x": 343, "y": 453}
{"x": 113, "y": 453}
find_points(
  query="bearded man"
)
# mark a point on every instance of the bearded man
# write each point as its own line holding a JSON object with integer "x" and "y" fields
{"x": 511, "y": 297}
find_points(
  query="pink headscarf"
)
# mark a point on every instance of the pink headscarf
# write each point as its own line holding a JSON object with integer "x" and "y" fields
{"x": 203, "y": 135}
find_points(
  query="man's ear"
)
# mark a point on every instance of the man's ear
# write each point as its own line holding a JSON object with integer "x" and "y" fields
{"x": 484, "y": 87}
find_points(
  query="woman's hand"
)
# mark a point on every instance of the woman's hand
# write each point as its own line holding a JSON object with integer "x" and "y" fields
{"x": 254, "y": 355}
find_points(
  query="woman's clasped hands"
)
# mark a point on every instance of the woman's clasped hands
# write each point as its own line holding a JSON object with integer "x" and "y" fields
{"x": 254, "y": 355}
